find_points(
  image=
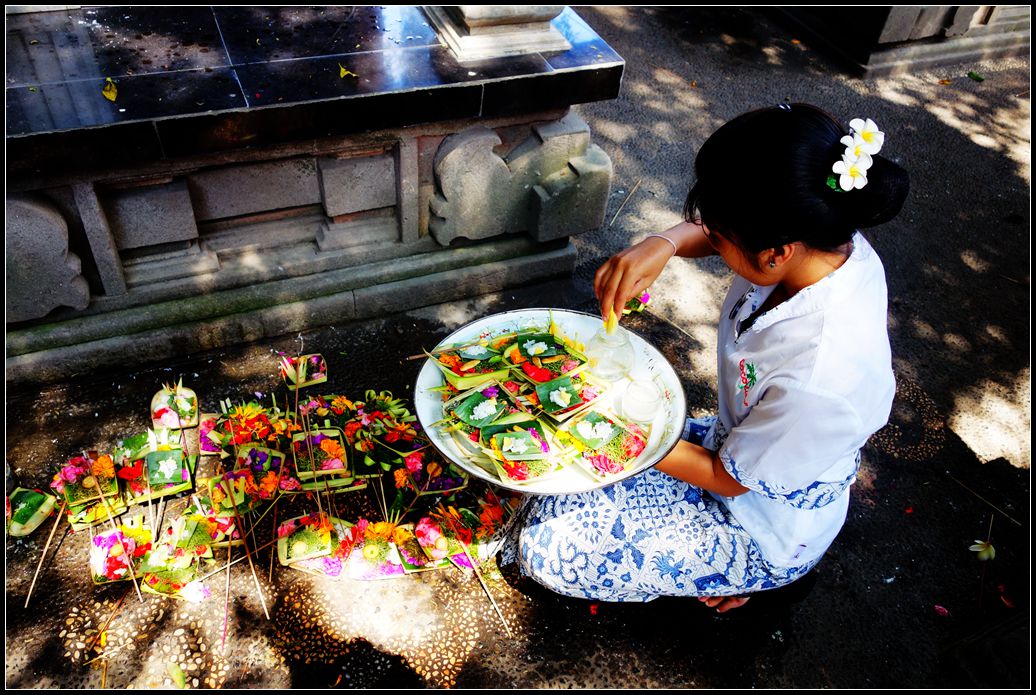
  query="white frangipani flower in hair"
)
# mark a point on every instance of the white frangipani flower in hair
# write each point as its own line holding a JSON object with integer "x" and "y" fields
{"x": 851, "y": 174}
{"x": 867, "y": 131}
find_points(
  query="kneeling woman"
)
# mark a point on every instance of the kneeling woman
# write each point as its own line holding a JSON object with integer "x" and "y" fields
{"x": 752, "y": 498}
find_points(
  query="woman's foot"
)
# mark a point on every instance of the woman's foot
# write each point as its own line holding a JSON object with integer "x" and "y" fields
{"x": 722, "y": 604}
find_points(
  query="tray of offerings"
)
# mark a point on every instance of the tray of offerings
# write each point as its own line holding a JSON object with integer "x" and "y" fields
{"x": 543, "y": 402}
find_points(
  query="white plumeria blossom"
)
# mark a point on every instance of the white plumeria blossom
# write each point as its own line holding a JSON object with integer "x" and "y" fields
{"x": 561, "y": 397}
{"x": 590, "y": 431}
{"x": 535, "y": 348}
{"x": 852, "y": 174}
{"x": 484, "y": 409}
{"x": 867, "y": 131}
{"x": 855, "y": 148}
{"x": 515, "y": 446}
{"x": 167, "y": 467}
{"x": 477, "y": 350}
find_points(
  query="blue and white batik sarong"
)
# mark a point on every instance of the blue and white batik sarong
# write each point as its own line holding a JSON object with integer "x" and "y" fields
{"x": 648, "y": 536}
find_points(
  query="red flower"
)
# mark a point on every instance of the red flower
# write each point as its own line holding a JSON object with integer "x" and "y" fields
{"x": 540, "y": 374}
{"x": 350, "y": 431}
{"x": 132, "y": 472}
{"x": 463, "y": 534}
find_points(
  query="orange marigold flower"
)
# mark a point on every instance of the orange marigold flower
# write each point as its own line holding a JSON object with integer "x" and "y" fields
{"x": 332, "y": 448}
{"x": 268, "y": 485}
{"x": 341, "y": 403}
{"x": 381, "y": 530}
{"x": 401, "y": 535}
{"x": 103, "y": 467}
{"x": 401, "y": 478}
{"x": 451, "y": 361}
{"x": 218, "y": 495}
{"x": 250, "y": 487}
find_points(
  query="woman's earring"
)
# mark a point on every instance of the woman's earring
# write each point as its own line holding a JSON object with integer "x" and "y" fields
{"x": 773, "y": 263}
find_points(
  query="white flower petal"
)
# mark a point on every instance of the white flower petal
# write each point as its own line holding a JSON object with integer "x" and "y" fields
{"x": 860, "y": 181}
{"x": 874, "y": 141}
{"x": 858, "y": 124}
{"x": 846, "y": 182}
{"x": 840, "y": 168}
{"x": 848, "y": 141}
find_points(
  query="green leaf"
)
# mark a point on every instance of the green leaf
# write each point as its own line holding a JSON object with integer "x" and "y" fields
{"x": 832, "y": 183}
{"x": 975, "y": 76}
{"x": 177, "y": 674}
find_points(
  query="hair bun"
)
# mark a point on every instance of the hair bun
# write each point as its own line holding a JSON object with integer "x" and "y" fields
{"x": 880, "y": 200}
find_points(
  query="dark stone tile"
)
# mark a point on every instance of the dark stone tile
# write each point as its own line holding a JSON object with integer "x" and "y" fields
{"x": 588, "y": 49}
{"x": 259, "y": 34}
{"x": 81, "y": 104}
{"x": 556, "y": 90}
{"x": 309, "y": 79}
{"x": 127, "y": 144}
{"x": 494, "y": 69}
{"x": 330, "y": 118}
{"x": 103, "y": 42}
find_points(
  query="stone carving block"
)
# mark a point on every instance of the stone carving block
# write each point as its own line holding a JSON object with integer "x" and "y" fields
{"x": 554, "y": 184}
{"x": 496, "y": 32}
{"x": 246, "y": 189}
{"x": 151, "y": 215}
{"x": 361, "y": 183}
{"x": 99, "y": 234}
{"x": 41, "y": 272}
{"x": 496, "y": 15}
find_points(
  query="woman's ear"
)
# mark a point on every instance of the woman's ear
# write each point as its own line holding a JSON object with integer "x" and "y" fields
{"x": 778, "y": 255}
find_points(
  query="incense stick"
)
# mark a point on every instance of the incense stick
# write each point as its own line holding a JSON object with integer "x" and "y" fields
{"x": 478, "y": 575}
{"x": 111, "y": 520}
{"x": 46, "y": 547}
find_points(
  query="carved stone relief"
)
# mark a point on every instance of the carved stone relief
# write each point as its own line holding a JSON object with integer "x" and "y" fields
{"x": 41, "y": 272}
{"x": 552, "y": 185}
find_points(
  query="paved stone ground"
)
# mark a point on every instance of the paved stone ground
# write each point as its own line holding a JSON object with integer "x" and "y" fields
{"x": 955, "y": 456}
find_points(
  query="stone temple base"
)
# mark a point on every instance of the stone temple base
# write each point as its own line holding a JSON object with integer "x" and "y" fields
{"x": 270, "y": 190}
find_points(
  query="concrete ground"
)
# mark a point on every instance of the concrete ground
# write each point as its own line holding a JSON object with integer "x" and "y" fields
{"x": 899, "y": 600}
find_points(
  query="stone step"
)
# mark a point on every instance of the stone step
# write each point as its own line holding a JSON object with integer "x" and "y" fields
{"x": 253, "y": 296}
{"x": 147, "y": 334}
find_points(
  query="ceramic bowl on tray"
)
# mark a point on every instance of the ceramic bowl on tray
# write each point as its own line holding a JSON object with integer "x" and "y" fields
{"x": 649, "y": 366}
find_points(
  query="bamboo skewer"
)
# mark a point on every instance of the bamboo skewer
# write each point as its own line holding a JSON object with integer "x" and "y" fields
{"x": 107, "y": 622}
{"x": 226, "y": 603}
{"x": 214, "y": 572}
{"x": 635, "y": 187}
{"x": 111, "y": 520}
{"x": 478, "y": 575}
{"x": 229, "y": 490}
{"x": 46, "y": 547}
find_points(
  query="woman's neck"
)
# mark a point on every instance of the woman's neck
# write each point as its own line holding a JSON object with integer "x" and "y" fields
{"x": 811, "y": 266}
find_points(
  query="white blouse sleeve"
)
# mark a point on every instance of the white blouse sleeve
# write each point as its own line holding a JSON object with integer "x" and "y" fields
{"x": 789, "y": 440}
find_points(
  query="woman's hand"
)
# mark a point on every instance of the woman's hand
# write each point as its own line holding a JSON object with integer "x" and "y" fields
{"x": 632, "y": 271}
{"x": 629, "y": 272}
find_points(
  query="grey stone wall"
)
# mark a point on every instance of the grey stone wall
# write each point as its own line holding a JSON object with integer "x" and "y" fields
{"x": 177, "y": 248}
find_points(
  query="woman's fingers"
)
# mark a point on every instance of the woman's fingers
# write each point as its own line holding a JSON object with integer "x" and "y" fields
{"x": 732, "y": 603}
{"x": 722, "y": 604}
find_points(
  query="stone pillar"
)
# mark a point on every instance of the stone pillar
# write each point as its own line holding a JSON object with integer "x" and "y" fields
{"x": 478, "y": 32}
{"x": 41, "y": 272}
{"x": 553, "y": 185}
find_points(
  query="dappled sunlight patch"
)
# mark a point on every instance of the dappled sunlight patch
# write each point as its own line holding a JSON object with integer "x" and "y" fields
{"x": 616, "y": 132}
{"x": 995, "y": 420}
{"x": 975, "y": 262}
{"x": 956, "y": 342}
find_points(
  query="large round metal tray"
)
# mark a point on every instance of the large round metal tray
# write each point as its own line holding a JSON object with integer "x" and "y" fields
{"x": 649, "y": 364}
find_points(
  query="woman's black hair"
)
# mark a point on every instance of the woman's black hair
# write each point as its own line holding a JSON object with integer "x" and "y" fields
{"x": 762, "y": 182}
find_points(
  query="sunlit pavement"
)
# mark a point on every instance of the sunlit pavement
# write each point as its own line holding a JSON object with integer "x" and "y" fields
{"x": 899, "y": 601}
